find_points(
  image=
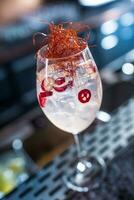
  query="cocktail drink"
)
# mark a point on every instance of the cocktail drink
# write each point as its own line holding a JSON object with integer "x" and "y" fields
{"x": 70, "y": 100}
{"x": 69, "y": 92}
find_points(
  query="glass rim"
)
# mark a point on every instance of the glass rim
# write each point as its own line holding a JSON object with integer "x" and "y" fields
{"x": 62, "y": 58}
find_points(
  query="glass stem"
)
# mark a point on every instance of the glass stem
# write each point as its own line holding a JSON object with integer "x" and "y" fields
{"x": 78, "y": 145}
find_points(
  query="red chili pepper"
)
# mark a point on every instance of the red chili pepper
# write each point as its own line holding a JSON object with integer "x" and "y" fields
{"x": 60, "y": 89}
{"x": 84, "y": 96}
{"x": 42, "y": 97}
{"x": 60, "y": 81}
{"x": 43, "y": 85}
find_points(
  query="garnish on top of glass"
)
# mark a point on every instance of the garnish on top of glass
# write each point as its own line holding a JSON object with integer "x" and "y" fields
{"x": 69, "y": 91}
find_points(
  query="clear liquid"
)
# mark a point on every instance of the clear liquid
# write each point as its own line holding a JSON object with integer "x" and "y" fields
{"x": 64, "y": 109}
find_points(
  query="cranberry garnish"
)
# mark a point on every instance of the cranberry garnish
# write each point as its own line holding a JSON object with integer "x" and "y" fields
{"x": 84, "y": 96}
{"x": 42, "y": 97}
{"x": 60, "y": 81}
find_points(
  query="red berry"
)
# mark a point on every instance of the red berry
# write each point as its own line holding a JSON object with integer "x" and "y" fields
{"x": 84, "y": 96}
{"x": 60, "y": 81}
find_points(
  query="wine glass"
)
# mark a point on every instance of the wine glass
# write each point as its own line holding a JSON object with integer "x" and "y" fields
{"x": 69, "y": 92}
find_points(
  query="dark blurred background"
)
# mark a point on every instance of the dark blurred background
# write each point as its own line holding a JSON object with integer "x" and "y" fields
{"x": 27, "y": 138}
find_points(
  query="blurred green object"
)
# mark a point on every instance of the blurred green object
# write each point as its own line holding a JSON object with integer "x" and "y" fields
{"x": 12, "y": 167}
{"x": 7, "y": 180}
{"x": 17, "y": 165}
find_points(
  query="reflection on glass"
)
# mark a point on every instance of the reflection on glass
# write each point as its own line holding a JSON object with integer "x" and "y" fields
{"x": 103, "y": 116}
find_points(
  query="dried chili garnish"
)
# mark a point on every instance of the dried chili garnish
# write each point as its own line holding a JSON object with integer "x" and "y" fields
{"x": 63, "y": 42}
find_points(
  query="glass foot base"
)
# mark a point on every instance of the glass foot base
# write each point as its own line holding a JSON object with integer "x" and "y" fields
{"x": 85, "y": 174}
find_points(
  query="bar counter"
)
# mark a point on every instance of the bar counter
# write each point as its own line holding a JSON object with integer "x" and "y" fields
{"x": 112, "y": 141}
